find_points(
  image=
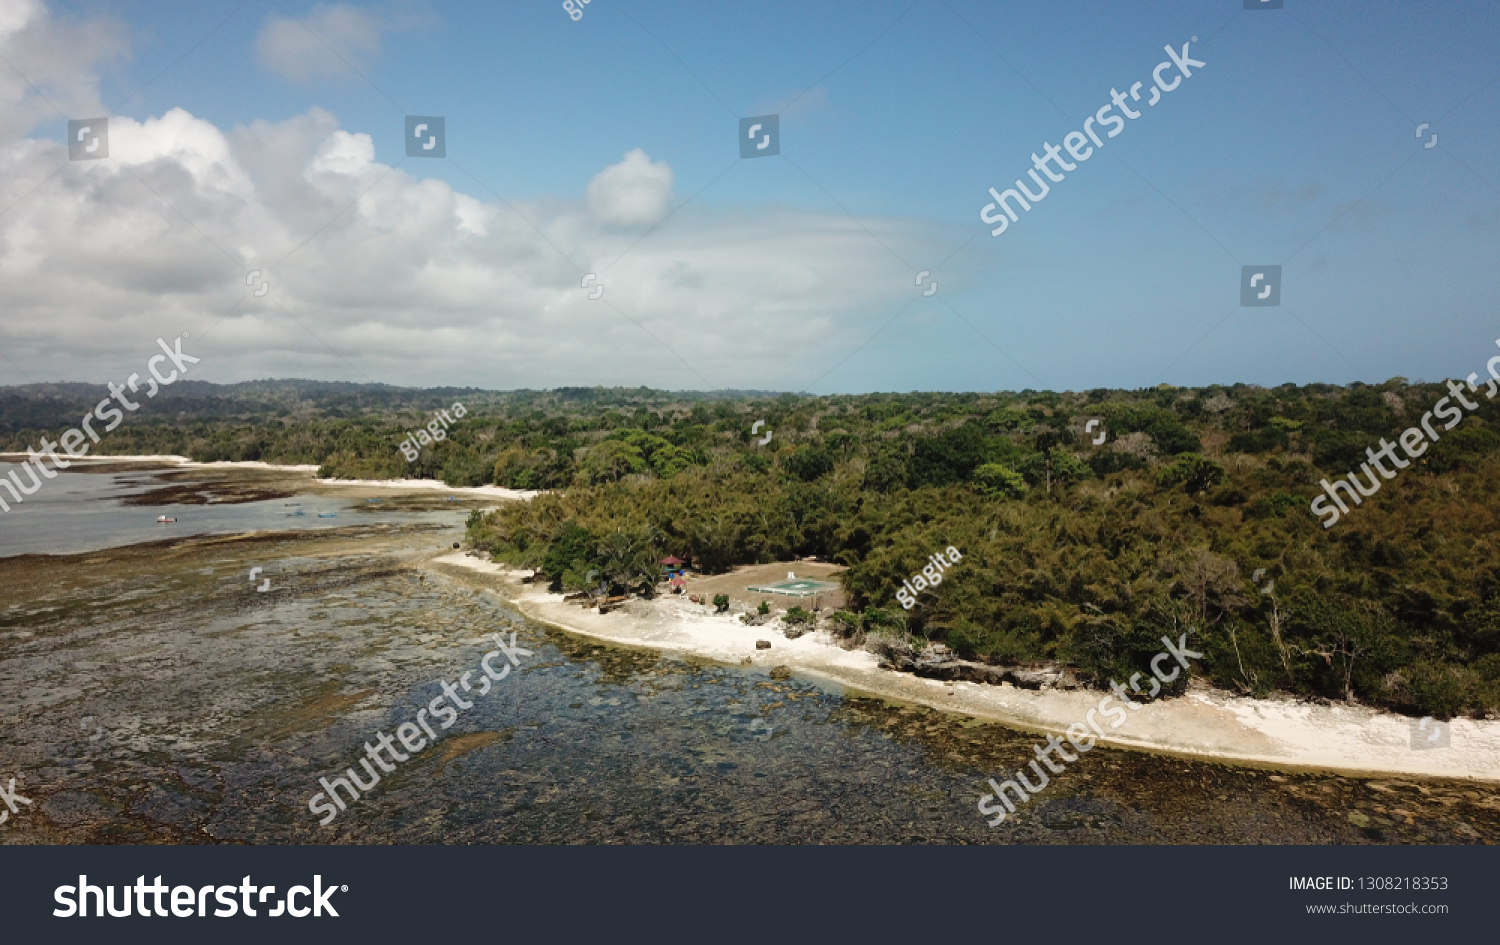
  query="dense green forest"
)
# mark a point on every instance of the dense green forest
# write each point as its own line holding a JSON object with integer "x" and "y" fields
{"x": 1074, "y": 552}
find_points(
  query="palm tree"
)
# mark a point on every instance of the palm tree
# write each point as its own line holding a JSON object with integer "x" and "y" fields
{"x": 630, "y": 557}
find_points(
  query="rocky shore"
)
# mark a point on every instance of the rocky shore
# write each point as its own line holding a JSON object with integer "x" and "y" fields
{"x": 1204, "y": 723}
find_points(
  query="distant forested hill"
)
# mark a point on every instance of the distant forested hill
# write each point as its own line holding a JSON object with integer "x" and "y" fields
{"x": 1072, "y": 551}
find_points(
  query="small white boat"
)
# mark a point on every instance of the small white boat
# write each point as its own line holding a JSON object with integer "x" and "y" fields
{"x": 163, "y": 520}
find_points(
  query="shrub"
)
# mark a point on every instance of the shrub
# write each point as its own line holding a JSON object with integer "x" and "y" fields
{"x": 1115, "y": 647}
{"x": 721, "y": 602}
{"x": 1440, "y": 691}
{"x": 796, "y": 616}
{"x": 1275, "y": 505}
{"x": 764, "y": 608}
{"x": 997, "y": 480}
{"x": 466, "y": 469}
{"x": 949, "y": 457}
{"x": 883, "y": 619}
{"x": 1105, "y": 462}
{"x": 844, "y": 623}
{"x": 885, "y": 474}
{"x": 809, "y": 463}
{"x": 1055, "y": 466}
{"x": 572, "y": 550}
{"x": 1193, "y": 471}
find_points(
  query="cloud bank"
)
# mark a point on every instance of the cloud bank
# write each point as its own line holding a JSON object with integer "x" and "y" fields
{"x": 379, "y": 275}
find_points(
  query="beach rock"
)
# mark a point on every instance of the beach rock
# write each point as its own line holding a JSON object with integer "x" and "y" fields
{"x": 1047, "y": 677}
{"x": 793, "y": 631}
{"x": 894, "y": 653}
{"x": 936, "y": 654}
{"x": 762, "y": 644}
{"x": 939, "y": 662}
{"x": 781, "y": 672}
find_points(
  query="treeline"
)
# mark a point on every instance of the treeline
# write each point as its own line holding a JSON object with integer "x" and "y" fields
{"x": 354, "y": 430}
{"x": 1073, "y": 552}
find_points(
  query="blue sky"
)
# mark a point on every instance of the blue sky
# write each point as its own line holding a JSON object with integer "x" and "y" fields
{"x": 1295, "y": 145}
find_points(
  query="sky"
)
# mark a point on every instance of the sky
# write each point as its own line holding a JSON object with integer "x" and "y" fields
{"x": 258, "y": 194}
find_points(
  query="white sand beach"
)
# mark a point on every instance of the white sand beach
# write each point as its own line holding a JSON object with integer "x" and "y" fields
{"x": 406, "y": 485}
{"x": 1203, "y": 724}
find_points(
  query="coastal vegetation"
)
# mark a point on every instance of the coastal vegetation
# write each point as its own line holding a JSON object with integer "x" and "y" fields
{"x": 1193, "y": 513}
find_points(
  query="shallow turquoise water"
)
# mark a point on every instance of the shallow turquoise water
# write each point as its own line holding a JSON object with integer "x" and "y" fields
{"x": 82, "y": 512}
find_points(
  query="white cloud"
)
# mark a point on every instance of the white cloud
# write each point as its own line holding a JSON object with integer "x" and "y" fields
{"x": 634, "y": 192}
{"x": 59, "y": 59}
{"x": 324, "y": 44}
{"x": 406, "y": 280}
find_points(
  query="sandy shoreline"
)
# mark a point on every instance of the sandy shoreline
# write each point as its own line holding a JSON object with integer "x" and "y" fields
{"x": 1204, "y": 724}
{"x": 413, "y": 485}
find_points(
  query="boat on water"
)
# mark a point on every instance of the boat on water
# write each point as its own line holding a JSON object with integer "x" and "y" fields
{"x": 328, "y": 515}
{"x": 163, "y": 519}
{"x": 298, "y": 512}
